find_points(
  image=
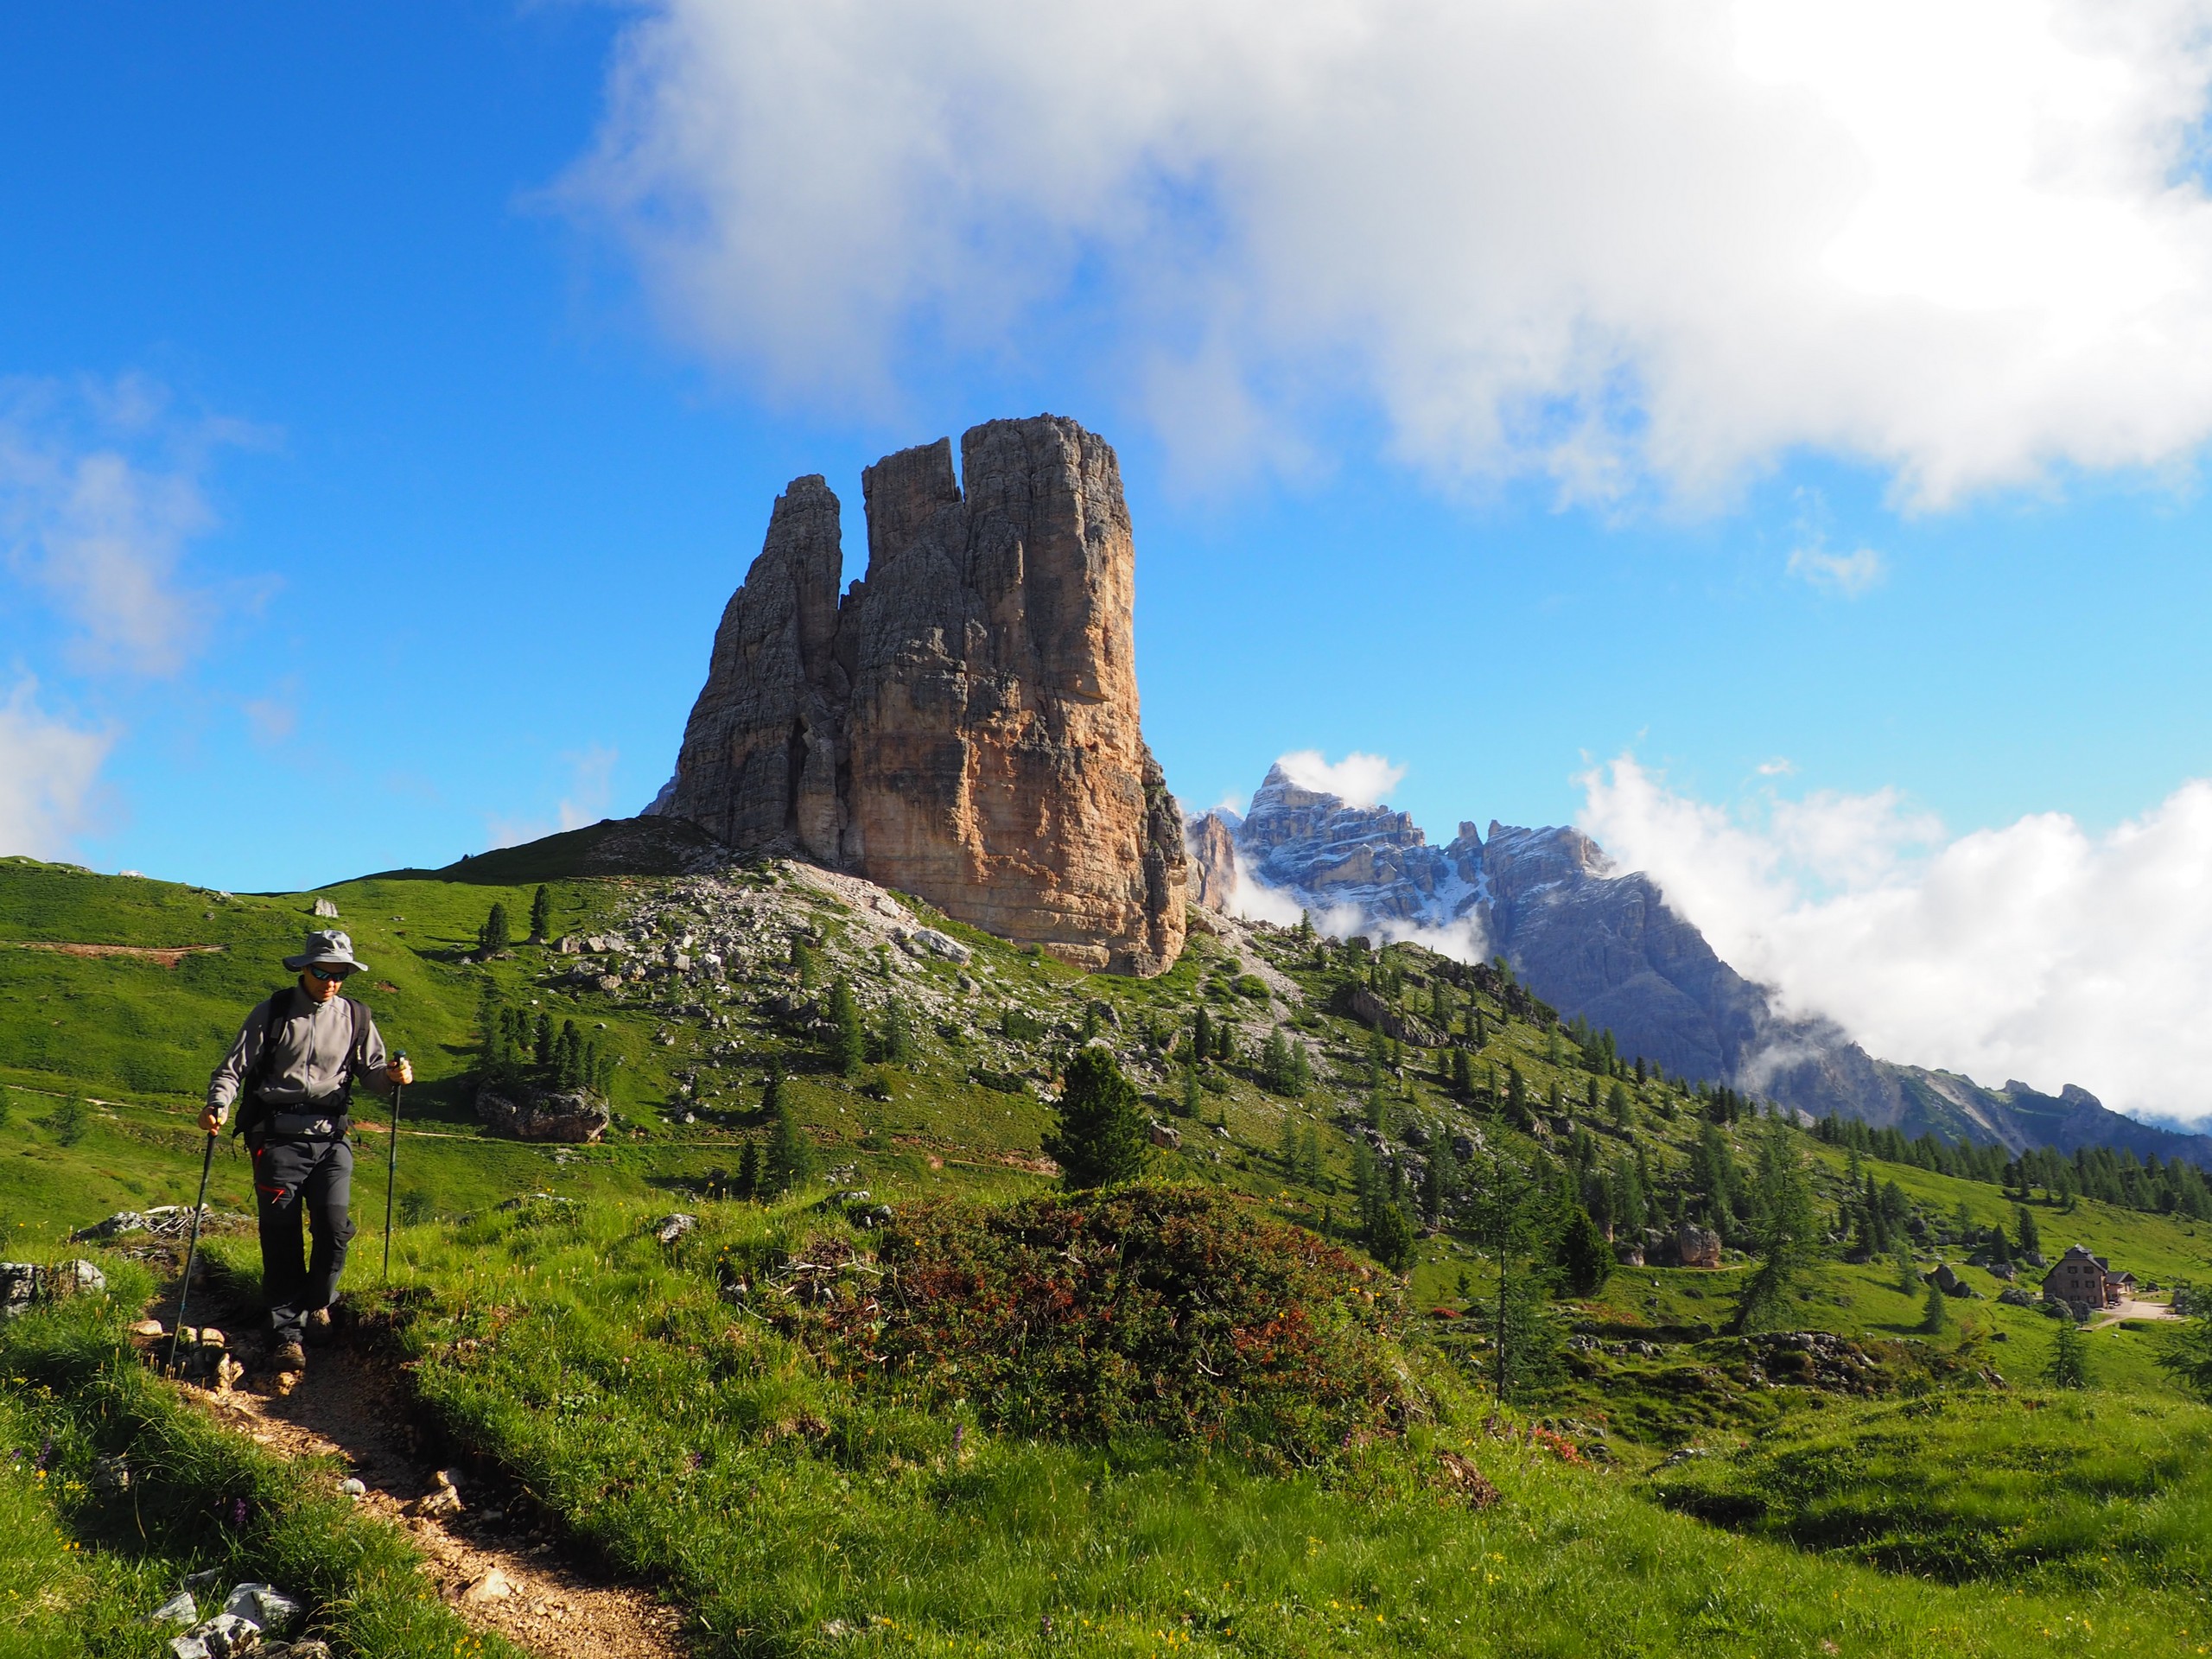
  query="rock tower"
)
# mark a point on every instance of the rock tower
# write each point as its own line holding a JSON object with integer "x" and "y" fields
{"x": 964, "y": 725}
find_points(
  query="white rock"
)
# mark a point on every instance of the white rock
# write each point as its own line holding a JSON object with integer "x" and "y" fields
{"x": 179, "y": 1609}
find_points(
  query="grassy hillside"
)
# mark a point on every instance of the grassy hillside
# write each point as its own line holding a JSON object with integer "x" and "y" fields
{"x": 707, "y": 1445}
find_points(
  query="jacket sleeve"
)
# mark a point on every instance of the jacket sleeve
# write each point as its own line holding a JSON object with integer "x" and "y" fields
{"x": 373, "y": 1061}
{"x": 228, "y": 1077}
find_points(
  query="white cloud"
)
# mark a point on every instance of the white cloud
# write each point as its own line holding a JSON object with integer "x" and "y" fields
{"x": 1665, "y": 242}
{"x": 589, "y": 793}
{"x": 1359, "y": 779}
{"x": 100, "y": 494}
{"x": 48, "y": 772}
{"x": 1847, "y": 573}
{"x": 2035, "y": 950}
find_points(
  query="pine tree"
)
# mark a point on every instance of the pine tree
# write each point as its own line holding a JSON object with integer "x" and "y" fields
{"x": 541, "y": 1042}
{"x": 1506, "y": 1221}
{"x": 847, "y": 1040}
{"x": 1202, "y": 1035}
{"x": 1436, "y": 1181}
{"x": 569, "y": 1057}
{"x": 1616, "y": 1102}
{"x": 1288, "y": 1150}
{"x": 898, "y": 1033}
{"x": 1585, "y": 1257}
{"x": 1516, "y": 1098}
{"x": 541, "y": 916}
{"x": 1189, "y": 1098}
{"x": 1936, "y": 1312}
{"x": 1366, "y": 1186}
{"x": 1390, "y": 1239}
{"x": 1783, "y": 1229}
{"x": 494, "y": 935}
{"x": 748, "y": 1169}
{"x": 2025, "y": 1224}
{"x": 2069, "y": 1359}
{"x": 1629, "y": 1212}
{"x": 1908, "y": 1273}
{"x": 1103, "y": 1137}
{"x": 803, "y": 963}
{"x": 1225, "y": 1043}
{"x": 789, "y": 1159}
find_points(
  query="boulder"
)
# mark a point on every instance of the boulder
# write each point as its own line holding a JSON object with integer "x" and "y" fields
{"x": 964, "y": 725}
{"x": 2013, "y": 1296}
{"x": 324, "y": 908}
{"x": 1696, "y": 1246}
{"x": 928, "y": 942}
{"x": 24, "y": 1284}
{"x": 266, "y": 1606}
{"x": 527, "y": 1113}
{"x": 1949, "y": 1283}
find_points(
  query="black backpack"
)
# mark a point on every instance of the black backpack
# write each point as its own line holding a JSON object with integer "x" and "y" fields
{"x": 251, "y": 1111}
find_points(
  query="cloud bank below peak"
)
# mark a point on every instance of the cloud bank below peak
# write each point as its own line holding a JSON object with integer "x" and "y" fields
{"x": 1624, "y": 249}
{"x": 2035, "y": 950}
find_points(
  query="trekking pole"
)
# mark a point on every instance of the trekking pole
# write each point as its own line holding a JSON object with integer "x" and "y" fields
{"x": 191, "y": 1250}
{"x": 391, "y": 1170}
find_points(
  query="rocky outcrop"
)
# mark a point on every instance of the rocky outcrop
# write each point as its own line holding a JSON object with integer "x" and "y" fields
{"x": 526, "y": 1113}
{"x": 963, "y": 726}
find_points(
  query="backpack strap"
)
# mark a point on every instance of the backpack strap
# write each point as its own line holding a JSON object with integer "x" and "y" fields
{"x": 272, "y": 1022}
{"x": 357, "y": 1053}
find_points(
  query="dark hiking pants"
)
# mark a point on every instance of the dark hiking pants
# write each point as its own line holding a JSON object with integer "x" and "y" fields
{"x": 292, "y": 1178}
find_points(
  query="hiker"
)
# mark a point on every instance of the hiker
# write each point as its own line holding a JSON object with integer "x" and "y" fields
{"x": 292, "y": 1071}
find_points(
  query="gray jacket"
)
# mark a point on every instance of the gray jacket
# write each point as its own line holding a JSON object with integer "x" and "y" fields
{"x": 311, "y": 1046}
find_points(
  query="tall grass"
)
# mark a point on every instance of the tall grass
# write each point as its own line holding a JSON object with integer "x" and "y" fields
{"x": 678, "y": 1432}
{"x": 2065, "y": 1492}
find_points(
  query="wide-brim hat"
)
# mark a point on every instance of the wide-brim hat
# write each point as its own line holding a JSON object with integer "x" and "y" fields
{"x": 325, "y": 947}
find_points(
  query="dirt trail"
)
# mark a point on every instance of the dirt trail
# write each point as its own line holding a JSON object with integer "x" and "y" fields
{"x": 352, "y": 1407}
{"x": 168, "y": 955}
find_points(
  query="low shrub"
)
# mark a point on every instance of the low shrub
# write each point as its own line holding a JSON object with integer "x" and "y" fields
{"x": 1141, "y": 1308}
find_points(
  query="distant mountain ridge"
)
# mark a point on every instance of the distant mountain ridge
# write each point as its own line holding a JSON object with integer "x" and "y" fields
{"x": 1603, "y": 945}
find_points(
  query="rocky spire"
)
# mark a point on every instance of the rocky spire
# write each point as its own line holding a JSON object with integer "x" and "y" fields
{"x": 964, "y": 727}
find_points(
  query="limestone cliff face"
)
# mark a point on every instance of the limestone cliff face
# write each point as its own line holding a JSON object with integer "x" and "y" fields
{"x": 759, "y": 765}
{"x": 964, "y": 726}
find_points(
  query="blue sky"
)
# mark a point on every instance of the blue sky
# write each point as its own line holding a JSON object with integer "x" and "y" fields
{"x": 390, "y": 399}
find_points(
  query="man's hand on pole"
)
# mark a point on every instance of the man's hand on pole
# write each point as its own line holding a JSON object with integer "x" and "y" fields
{"x": 400, "y": 1070}
{"x": 211, "y": 1120}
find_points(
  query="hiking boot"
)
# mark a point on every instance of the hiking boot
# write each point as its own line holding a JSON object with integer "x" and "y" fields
{"x": 289, "y": 1356}
{"x": 318, "y": 1324}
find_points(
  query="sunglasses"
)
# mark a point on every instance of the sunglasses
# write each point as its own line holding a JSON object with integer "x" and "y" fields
{"x": 330, "y": 975}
